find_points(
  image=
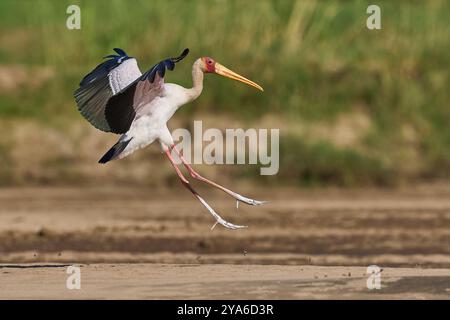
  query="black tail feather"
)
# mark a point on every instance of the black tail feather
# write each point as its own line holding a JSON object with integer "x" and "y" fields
{"x": 114, "y": 152}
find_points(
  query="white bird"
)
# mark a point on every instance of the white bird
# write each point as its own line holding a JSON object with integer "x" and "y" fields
{"x": 116, "y": 97}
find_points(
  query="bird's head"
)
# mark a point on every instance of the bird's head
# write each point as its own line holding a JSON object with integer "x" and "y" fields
{"x": 209, "y": 65}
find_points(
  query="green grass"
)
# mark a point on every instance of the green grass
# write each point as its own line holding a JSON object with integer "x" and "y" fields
{"x": 315, "y": 59}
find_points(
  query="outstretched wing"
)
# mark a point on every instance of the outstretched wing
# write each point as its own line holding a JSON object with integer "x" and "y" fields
{"x": 110, "y": 95}
{"x": 97, "y": 87}
{"x": 122, "y": 108}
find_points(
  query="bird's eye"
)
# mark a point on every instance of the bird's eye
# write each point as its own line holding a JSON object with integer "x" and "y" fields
{"x": 209, "y": 61}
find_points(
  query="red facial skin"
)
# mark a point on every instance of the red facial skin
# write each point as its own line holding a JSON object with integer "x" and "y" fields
{"x": 210, "y": 64}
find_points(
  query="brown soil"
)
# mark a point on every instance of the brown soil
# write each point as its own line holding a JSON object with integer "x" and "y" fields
{"x": 282, "y": 254}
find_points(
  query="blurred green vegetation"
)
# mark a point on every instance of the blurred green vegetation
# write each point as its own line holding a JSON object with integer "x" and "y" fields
{"x": 316, "y": 60}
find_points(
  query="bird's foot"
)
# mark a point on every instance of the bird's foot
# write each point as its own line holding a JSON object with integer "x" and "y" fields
{"x": 246, "y": 200}
{"x": 219, "y": 219}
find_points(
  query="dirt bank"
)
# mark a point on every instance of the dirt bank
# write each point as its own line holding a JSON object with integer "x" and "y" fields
{"x": 138, "y": 243}
{"x": 387, "y": 228}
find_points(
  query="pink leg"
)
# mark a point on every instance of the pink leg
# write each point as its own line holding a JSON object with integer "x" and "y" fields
{"x": 197, "y": 176}
{"x": 186, "y": 183}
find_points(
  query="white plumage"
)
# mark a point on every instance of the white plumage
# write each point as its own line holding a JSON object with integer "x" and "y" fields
{"x": 125, "y": 73}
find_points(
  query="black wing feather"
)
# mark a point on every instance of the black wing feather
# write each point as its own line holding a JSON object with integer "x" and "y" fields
{"x": 161, "y": 66}
{"x": 95, "y": 90}
{"x": 105, "y": 67}
{"x": 120, "y": 109}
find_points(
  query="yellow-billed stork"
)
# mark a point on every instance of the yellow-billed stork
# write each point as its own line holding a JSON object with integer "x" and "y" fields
{"x": 116, "y": 97}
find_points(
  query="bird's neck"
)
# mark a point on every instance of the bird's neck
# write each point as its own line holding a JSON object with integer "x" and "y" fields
{"x": 197, "y": 81}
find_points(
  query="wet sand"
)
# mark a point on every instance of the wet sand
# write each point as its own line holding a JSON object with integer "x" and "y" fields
{"x": 174, "y": 281}
{"x": 149, "y": 244}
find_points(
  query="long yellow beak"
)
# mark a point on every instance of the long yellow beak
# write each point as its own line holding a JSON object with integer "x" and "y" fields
{"x": 223, "y": 71}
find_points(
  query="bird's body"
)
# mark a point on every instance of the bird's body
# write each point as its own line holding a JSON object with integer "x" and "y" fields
{"x": 152, "y": 125}
{"x": 116, "y": 97}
